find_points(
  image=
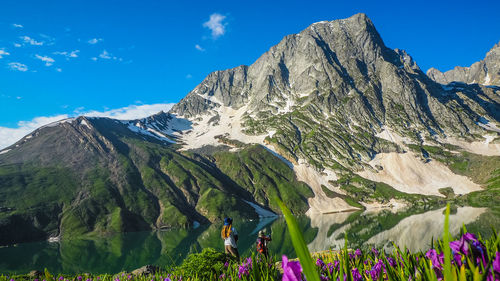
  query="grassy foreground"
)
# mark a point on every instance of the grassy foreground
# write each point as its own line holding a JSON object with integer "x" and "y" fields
{"x": 468, "y": 257}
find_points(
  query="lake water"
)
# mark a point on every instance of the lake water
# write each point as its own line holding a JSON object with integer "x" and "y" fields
{"x": 124, "y": 252}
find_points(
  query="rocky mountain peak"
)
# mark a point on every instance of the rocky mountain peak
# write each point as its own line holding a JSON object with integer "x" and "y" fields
{"x": 320, "y": 56}
{"x": 485, "y": 72}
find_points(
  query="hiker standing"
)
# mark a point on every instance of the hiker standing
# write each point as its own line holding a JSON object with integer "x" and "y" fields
{"x": 262, "y": 241}
{"x": 230, "y": 236}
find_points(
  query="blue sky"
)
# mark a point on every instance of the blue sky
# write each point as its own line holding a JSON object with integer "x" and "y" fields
{"x": 64, "y": 58}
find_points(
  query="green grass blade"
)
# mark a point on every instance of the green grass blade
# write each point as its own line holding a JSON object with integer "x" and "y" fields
{"x": 299, "y": 244}
{"x": 446, "y": 245}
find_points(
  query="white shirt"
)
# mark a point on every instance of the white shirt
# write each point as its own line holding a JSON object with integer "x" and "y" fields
{"x": 230, "y": 240}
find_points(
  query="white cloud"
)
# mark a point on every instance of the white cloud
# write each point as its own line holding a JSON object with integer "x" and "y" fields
{"x": 9, "y": 136}
{"x": 47, "y": 60}
{"x": 105, "y": 55}
{"x": 17, "y": 25}
{"x": 58, "y": 69}
{"x": 31, "y": 41}
{"x": 72, "y": 54}
{"x": 17, "y": 45}
{"x": 94, "y": 41}
{"x": 199, "y": 48}
{"x": 216, "y": 25}
{"x": 131, "y": 111}
{"x": 18, "y": 66}
{"x": 3, "y": 53}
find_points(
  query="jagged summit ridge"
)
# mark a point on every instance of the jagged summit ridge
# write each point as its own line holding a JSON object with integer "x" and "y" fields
{"x": 341, "y": 72}
{"x": 291, "y": 69}
{"x": 485, "y": 72}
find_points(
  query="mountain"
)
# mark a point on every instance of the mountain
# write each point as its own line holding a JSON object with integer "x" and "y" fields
{"x": 336, "y": 102}
{"x": 97, "y": 176}
{"x": 485, "y": 72}
{"x": 329, "y": 120}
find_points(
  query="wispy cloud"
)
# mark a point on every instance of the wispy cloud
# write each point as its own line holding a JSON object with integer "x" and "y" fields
{"x": 31, "y": 41}
{"x": 94, "y": 41}
{"x": 72, "y": 54}
{"x": 17, "y": 45}
{"x": 17, "y": 25}
{"x": 58, "y": 69}
{"x": 47, "y": 60}
{"x": 199, "y": 48}
{"x": 216, "y": 25}
{"x": 9, "y": 136}
{"x": 105, "y": 55}
{"x": 132, "y": 111}
{"x": 17, "y": 66}
{"x": 3, "y": 53}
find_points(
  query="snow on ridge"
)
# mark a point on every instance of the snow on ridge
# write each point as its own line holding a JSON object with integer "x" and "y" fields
{"x": 4, "y": 151}
{"x": 139, "y": 130}
{"x": 487, "y": 79}
{"x": 85, "y": 123}
{"x": 53, "y": 124}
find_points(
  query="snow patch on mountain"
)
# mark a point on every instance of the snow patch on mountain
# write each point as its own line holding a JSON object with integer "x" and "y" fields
{"x": 485, "y": 147}
{"x": 204, "y": 130}
{"x": 320, "y": 203}
{"x": 407, "y": 173}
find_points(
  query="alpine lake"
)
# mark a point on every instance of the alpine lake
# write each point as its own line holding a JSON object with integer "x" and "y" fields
{"x": 411, "y": 228}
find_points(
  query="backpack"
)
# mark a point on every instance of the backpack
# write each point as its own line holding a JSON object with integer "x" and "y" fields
{"x": 261, "y": 247}
{"x": 225, "y": 232}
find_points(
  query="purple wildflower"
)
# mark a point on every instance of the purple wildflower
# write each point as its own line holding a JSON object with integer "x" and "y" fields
{"x": 167, "y": 279}
{"x": 226, "y": 264}
{"x": 356, "y": 276}
{"x": 222, "y": 276}
{"x": 375, "y": 252}
{"x": 358, "y": 253}
{"x": 292, "y": 271}
{"x": 323, "y": 278}
{"x": 320, "y": 263}
{"x": 61, "y": 278}
{"x": 376, "y": 270}
{"x": 80, "y": 278}
{"x": 437, "y": 260}
{"x": 496, "y": 269}
{"x": 330, "y": 267}
{"x": 457, "y": 259}
{"x": 392, "y": 262}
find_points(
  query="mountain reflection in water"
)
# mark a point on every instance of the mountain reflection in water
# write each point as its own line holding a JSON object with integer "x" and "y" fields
{"x": 124, "y": 252}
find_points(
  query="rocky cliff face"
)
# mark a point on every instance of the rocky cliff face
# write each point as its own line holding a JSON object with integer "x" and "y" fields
{"x": 484, "y": 72}
{"x": 327, "y": 94}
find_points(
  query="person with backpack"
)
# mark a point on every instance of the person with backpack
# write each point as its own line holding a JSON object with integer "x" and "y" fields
{"x": 230, "y": 237}
{"x": 262, "y": 241}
